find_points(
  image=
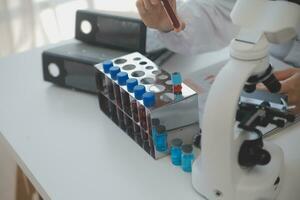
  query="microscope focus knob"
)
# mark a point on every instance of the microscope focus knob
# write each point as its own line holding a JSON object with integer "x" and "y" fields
{"x": 267, "y": 78}
{"x": 252, "y": 154}
{"x": 272, "y": 83}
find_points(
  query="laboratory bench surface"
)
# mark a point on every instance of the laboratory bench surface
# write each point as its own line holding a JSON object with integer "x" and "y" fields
{"x": 70, "y": 150}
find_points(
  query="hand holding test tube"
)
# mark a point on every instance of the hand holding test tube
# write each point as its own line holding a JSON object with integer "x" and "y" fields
{"x": 160, "y": 14}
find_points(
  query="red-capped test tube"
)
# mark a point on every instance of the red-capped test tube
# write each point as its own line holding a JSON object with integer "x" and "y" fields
{"x": 177, "y": 85}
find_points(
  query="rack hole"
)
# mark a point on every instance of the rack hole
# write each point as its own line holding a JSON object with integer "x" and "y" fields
{"x": 169, "y": 82}
{"x": 156, "y": 72}
{"x": 143, "y": 63}
{"x": 147, "y": 81}
{"x": 137, "y": 74}
{"x": 167, "y": 97}
{"x": 120, "y": 61}
{"x": 162, "y": 77}
{"x": 129, "y": 67}
{"x": 149, "y": 67}
{"x": 157, "y": 88}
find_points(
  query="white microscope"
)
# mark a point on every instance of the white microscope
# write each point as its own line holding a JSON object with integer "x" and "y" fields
{"x": 235, "y": 163}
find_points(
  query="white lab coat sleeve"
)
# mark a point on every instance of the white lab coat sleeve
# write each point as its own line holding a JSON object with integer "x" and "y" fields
{"x": 208, "y": 28}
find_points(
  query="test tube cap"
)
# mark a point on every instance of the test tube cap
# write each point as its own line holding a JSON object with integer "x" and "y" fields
{"x": 177, "y": 142}
{"x": 107, "y": 65}
{"x": 155, "y": 122}
{"x": 114, "y": 71}
{"x": 139, "y": 90}
{"x": 176, "y": 78}
{"x": 187, "y": 148}
{"x": 161, "y": 129}
{"x": 149, "y": 99}
{"x": 122, "y": 77}
{"x": 131, "y": 83}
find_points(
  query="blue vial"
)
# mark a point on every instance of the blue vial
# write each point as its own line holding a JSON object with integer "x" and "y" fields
{"x": 122, "y": 77}
{"x": 114, "y": 71}
{"x": 131, "y": 83}
{"x": 176, "y": 151}
{"x": 154, "y": 123}
{"x": 176, "y": 78}
{"x": 107, "y": 65}
{"x": 161, "y": 142}
{"x": 139, "y": 90}
{"x": 187, "y": 158}
{"x": 149, "y": 99}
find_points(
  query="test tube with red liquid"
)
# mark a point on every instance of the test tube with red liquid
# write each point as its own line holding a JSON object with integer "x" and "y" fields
{"x": 171, "y": 14}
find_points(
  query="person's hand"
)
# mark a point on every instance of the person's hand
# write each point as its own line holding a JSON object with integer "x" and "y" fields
{"x": 290, "y": 85}
{"x": 290, "y": 81}
{"x": 154, "y": 15}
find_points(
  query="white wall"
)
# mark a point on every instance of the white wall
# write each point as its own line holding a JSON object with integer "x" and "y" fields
{"x": 7, "y": 175}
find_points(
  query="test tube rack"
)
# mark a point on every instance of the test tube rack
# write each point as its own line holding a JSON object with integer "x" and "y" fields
{"x": 178, "y": 116}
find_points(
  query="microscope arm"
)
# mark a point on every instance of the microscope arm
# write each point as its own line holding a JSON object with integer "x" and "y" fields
{"x": 221, "y": 144}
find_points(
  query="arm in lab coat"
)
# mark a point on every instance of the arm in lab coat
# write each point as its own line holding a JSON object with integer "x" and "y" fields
{"x": 208, "y": 28}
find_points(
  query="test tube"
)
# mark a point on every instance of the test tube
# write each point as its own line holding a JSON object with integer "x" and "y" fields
{"x": 176, "y": 151}
{"x": 149, "y": 101}
{"x": 154, "y": 123}
{"x": 142, "y": 116}
{"x": 131, "y": 83}
{"x": 177, "y": 86}
{"x": 104, "y": 104}
{"x": 124, "y": 103}
{"x": 108, "y": 82}
{"x": 134, "y": 109}
{"x": 114, "y": 115}
{"x": 137, "y": 134}
{"x": 187, "y": 158}
{"x": 145, "y": 136}
{"x": 138, "y": 90}
{"x": 101, "y": 82}
{"x": 116, "y": 88}
{"x": 161, "y": 142}
{"x": 121, "y": 119}
{"x": 129, "y": 126}
{"x": 171, "y": 14}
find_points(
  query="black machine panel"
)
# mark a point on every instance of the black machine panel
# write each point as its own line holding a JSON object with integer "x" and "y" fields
{"x": 111, "y": 31}
{"x": 72, "y": 65}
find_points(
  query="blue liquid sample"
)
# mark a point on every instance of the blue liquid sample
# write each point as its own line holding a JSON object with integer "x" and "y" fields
{"x": 161, "y": 143}
{"x": 154, "y": 134}
{"x": 187, "y": 158}
{"x": 176, "y": 155}
{"x": 176, "y": 78}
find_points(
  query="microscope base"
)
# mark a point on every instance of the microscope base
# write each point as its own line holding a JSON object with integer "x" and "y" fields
{"x": 259, "y": 183}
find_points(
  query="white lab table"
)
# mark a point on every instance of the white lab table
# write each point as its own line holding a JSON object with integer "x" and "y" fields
{"x": 71, "y": 151}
